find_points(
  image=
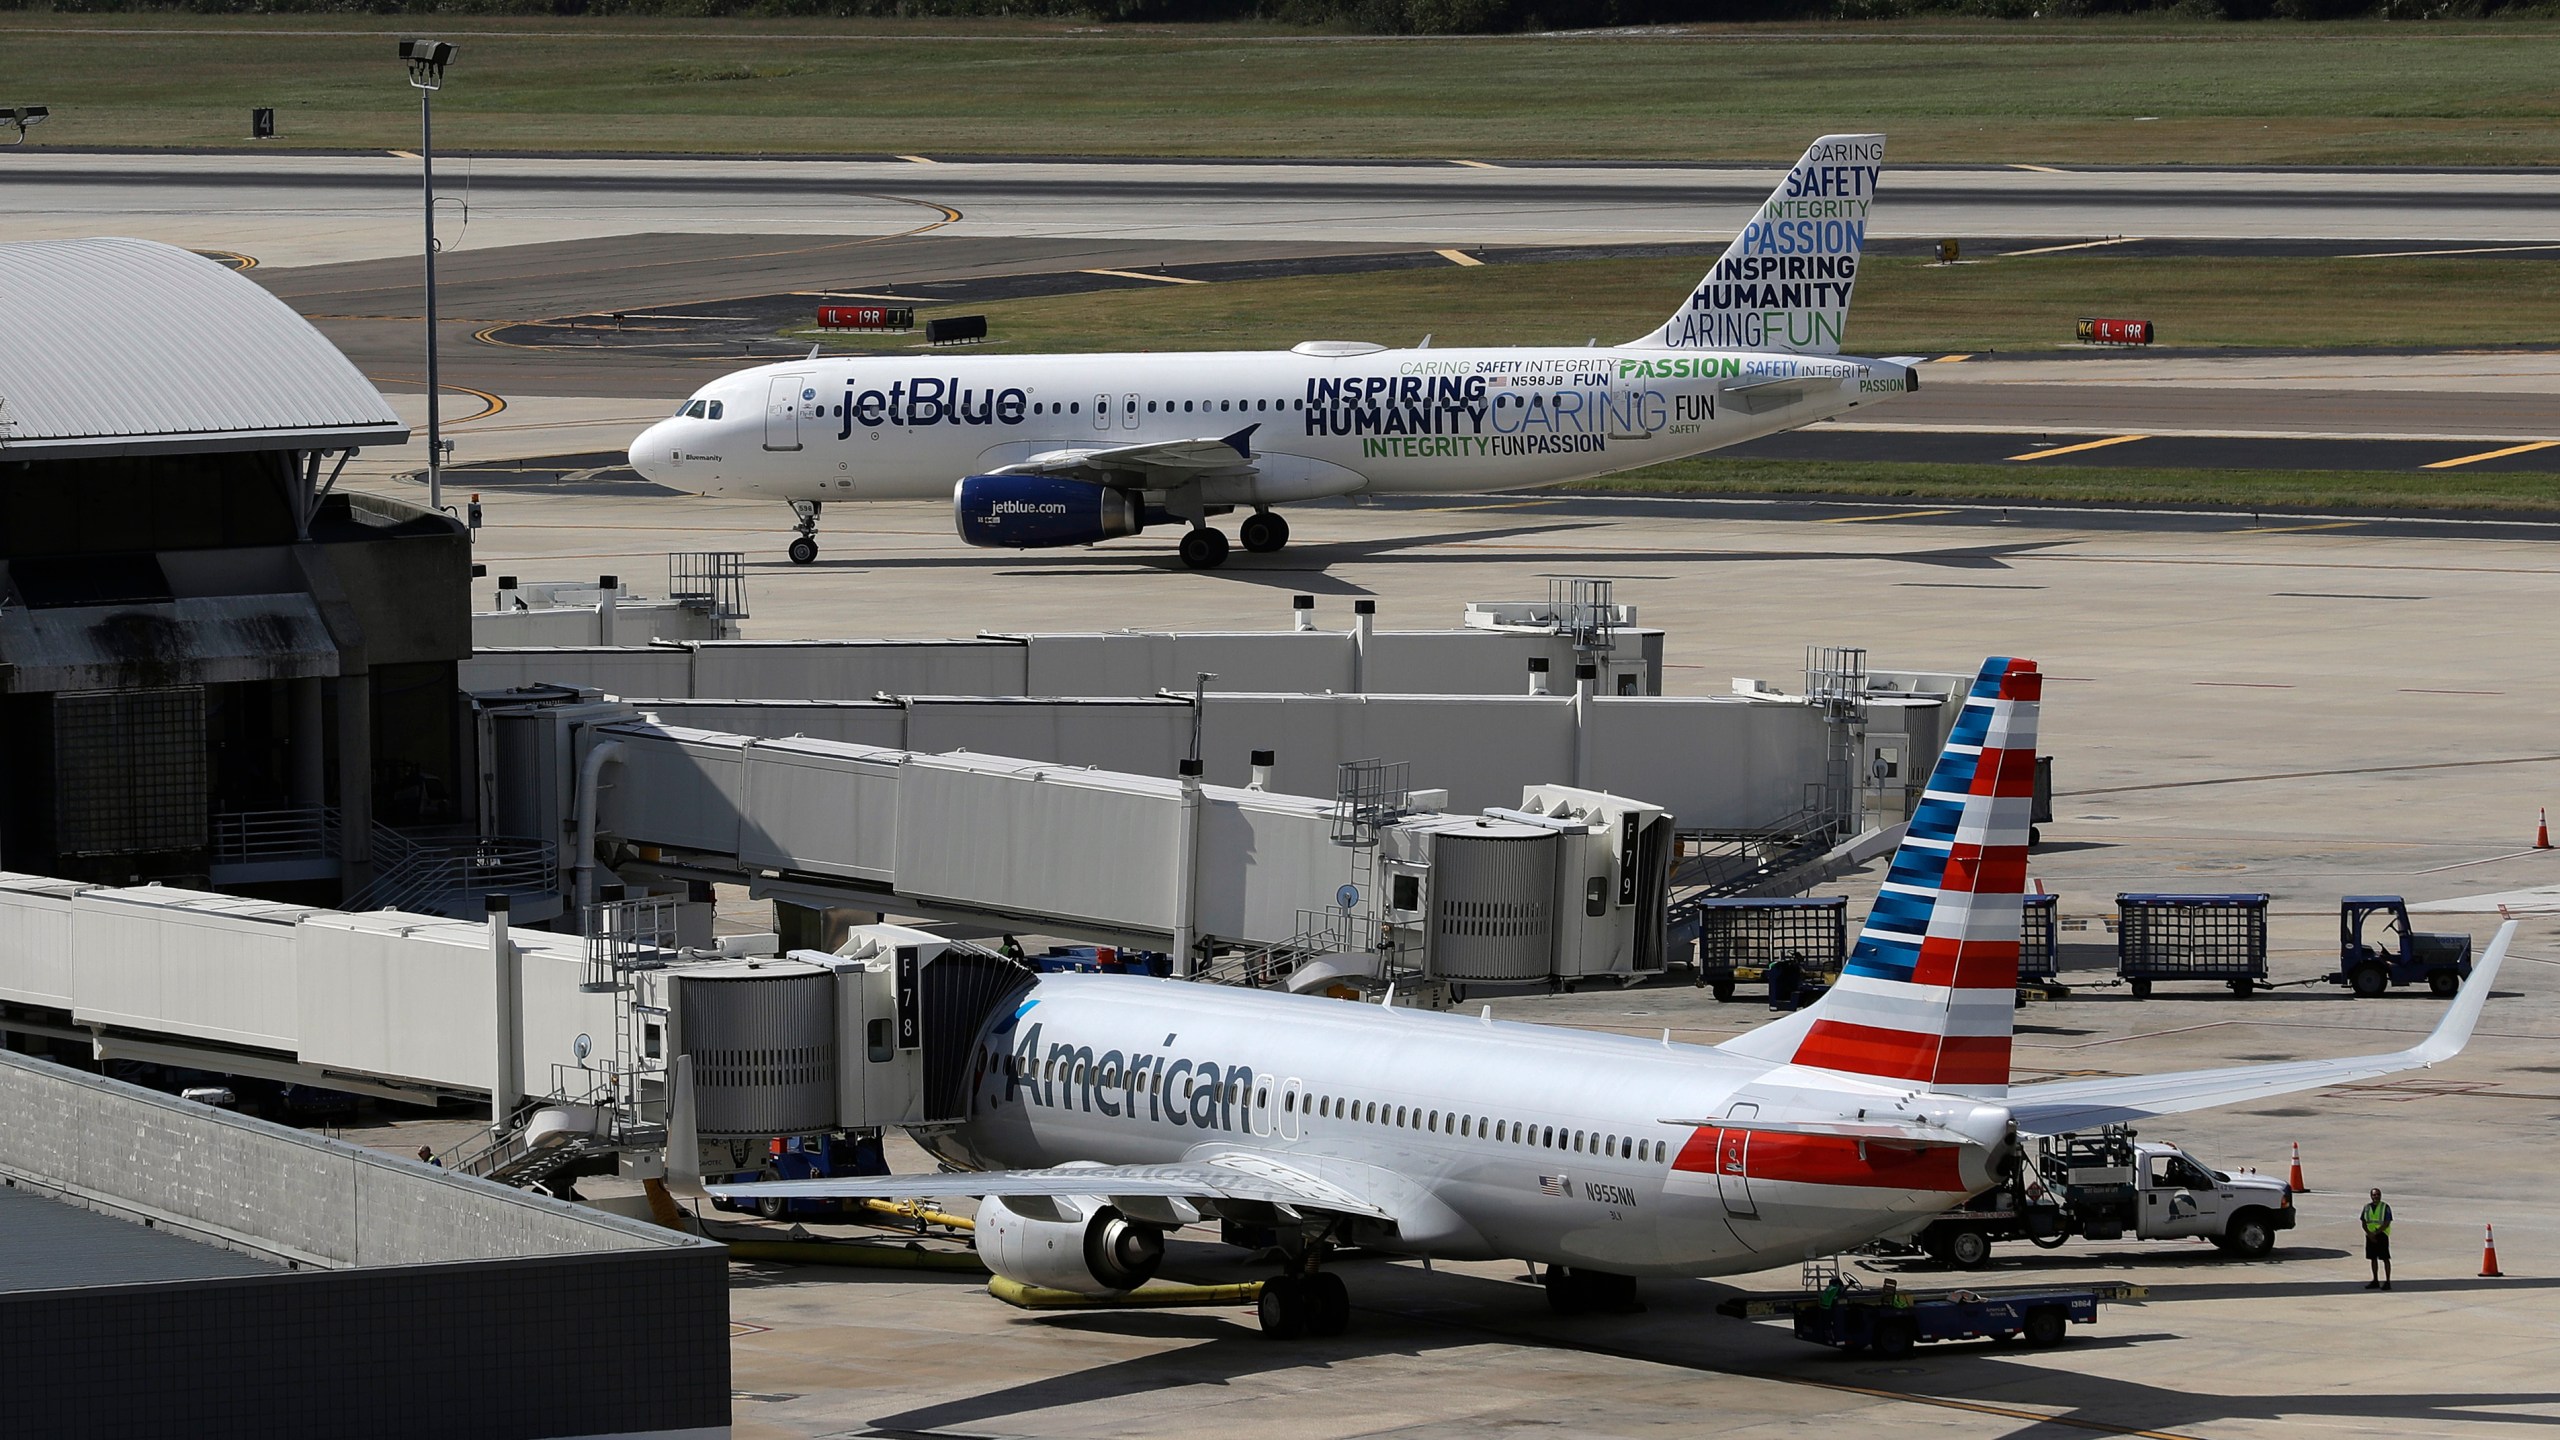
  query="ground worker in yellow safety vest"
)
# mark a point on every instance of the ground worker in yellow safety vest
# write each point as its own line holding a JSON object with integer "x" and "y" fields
{"x": 2376, "y": 1220}
{"x": 1893, "y": 1296}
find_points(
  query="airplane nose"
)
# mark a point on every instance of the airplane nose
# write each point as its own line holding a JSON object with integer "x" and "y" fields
{"x": 648, "y": 455}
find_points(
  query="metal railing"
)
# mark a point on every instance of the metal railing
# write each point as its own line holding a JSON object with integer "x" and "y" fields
{"x": 258, "y": 837}
{"x": 717, "y": 578}
{"x": 450, "y": 875}
{"x": 1322, "y": 933}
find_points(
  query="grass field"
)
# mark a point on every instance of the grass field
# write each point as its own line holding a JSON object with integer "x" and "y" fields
{"x": 2081, "y": 91}
{"x": 2382, "y": 490}
{"x": 1902, "y": 306}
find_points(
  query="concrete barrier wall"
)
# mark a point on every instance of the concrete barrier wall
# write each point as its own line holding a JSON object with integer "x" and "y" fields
{"x": 268, "y": 1188}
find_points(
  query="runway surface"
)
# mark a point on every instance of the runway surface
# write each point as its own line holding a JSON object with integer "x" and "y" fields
{"x": 702, "y": 260}
{"x": 301, "y": 210}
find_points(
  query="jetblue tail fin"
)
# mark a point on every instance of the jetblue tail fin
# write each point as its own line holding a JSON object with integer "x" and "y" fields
{"x": 1929, "y": 994}
{"x": 1784, "y": 283}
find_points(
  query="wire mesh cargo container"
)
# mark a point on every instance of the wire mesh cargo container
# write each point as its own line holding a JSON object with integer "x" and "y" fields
{"x": 2039, "y": 945}
{"x": 1804, "y": 941}
{"x": 2191, "y": 937}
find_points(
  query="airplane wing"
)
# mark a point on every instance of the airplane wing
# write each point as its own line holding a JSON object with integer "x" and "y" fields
{"x": 1219, "y": 1177}
{"x": 1169, "y": 459}
{"x": 2051, "y": 1108}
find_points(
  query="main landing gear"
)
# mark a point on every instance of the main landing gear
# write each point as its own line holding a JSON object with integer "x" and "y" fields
{"x": 804, "y": 551}
{"x": 1303, "y": 1300}
{"x": 1579, "y": 1292}
{"x": 1205, "y": 547}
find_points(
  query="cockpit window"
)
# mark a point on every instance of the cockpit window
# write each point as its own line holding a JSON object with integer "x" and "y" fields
{"x": 715, "y": 409}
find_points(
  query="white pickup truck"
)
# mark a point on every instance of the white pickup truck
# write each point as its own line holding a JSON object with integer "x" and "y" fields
{"x": 2105, "y": 1185}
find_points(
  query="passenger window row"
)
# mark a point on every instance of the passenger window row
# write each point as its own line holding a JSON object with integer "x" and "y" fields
{"x": 1514, "y": 1132}
{"x": 1226, "y": 405}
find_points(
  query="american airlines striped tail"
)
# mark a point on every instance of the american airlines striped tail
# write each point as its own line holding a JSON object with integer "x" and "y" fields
{"x": 1929, "y": 994}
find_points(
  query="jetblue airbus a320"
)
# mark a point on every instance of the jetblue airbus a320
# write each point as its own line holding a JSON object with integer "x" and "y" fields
{"x": 1050, "y": 450}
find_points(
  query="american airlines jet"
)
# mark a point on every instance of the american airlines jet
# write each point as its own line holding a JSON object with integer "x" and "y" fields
{"x": 1110, "y": 1110}
{"x": 1051, "y": 450}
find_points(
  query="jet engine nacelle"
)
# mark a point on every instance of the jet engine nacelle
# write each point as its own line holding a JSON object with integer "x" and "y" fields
{"x": 1070, "y": 1242}
{"x": 1025, "y": 512}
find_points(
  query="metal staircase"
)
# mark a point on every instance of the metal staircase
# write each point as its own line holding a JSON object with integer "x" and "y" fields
{"x": 455, "y": 874}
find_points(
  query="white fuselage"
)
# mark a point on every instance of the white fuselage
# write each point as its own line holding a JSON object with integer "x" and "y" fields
{"x": 908, "y": 426}
{"x": 1490, "y": 1139}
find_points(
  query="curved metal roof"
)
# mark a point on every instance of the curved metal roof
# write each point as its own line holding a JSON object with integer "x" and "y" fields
{"x": 128, "y": 347}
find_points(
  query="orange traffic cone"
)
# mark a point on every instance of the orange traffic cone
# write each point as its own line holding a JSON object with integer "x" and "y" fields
{"x": 2295, "y": 1183}
{"x": 2542, "y": 831}
{"x": 2489, "y": 1254}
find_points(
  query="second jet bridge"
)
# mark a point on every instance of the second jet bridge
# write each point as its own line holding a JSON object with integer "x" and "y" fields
{"x": 1039, "y": 847}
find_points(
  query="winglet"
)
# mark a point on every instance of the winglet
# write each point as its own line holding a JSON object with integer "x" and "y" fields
{"x": 1238, "y": 441}
{"x": 2454, "y": 1030}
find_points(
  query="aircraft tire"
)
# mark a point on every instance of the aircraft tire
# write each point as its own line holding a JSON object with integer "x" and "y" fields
{"x": 1564, "y": 1294}
{"x": 1263, "y": 531}
{"x": 1329, "y": 1304}
{"x": 1204, "y": 548}
{"x": 804, "y": 551}
{"x": 1282, "y": 1308}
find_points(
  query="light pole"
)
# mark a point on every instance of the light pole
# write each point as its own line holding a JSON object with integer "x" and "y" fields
{"x": 426, "y": 60}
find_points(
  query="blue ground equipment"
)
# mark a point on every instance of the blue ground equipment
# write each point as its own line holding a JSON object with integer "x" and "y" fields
{"x": 2395, "y": 955}
{"x": 2039, "y": 944}
{"x": 1838, "y": 1309}
{"x": 1795, "y": 946}
{"x": 811, "y": 1157}
{"x": 2191, "y": 937}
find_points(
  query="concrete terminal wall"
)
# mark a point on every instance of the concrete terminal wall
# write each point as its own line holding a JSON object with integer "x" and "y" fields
{"x": 268, "y": 1188}
{"x": 563, "y": 1321}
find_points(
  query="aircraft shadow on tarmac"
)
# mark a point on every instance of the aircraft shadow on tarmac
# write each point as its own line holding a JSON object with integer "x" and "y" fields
{"x": 1399, "y": 1311}
{"x": 1304, "y": 567}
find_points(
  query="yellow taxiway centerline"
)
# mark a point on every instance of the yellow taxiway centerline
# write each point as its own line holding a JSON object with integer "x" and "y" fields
{"x": 2524, "y": 449}
{"x": 2075, "y": 449}
{"x": 1899, "y": 515}
{"x": 1142, "y": 275}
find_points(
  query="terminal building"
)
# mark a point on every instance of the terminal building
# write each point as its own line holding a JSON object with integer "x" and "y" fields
{"x": 215, "y": 669}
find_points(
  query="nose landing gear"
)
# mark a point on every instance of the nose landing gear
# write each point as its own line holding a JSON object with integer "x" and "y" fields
{"x": 804, "y": 551}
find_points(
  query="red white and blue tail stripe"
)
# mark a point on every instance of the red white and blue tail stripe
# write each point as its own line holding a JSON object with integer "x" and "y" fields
{"x": 1929, "y": 994}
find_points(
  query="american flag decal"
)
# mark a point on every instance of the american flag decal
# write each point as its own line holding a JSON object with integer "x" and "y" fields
{"x": 1556, "y": 1185}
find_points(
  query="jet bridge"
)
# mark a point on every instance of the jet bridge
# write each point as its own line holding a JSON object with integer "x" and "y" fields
{"x": 1203, "y": 870}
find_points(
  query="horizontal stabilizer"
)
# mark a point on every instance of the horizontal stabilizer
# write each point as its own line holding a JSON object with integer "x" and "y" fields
{"x": 2057, "y": 1106}
{"x": 1912, "y": 1136}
